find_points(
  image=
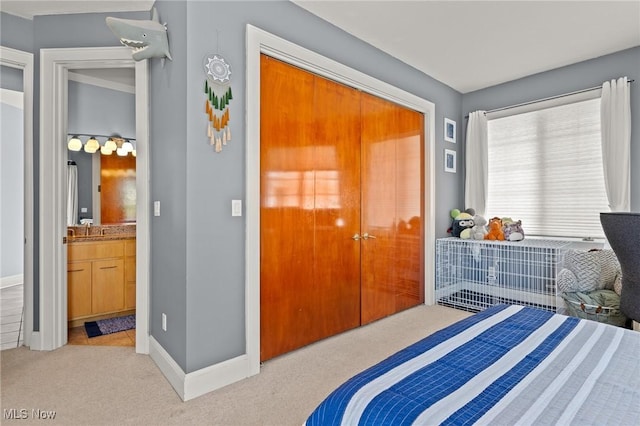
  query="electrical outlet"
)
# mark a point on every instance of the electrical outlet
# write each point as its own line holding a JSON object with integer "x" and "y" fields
{"x": 83, "y": 210}
{"x": 156, "y": 208}
{"x": 164, "y": 322}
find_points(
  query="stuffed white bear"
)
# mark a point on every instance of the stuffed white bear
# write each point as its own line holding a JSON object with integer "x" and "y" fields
{"x": 586, "y": 271}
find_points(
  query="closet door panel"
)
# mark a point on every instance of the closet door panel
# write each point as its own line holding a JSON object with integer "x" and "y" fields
{"x": 337, "y": 206}
{"x": 409, "y": 254}
{"x": 378, "y": 145}
{"x": 310, "y": 208}
{"x": 287, "y": 288}
{"x": 392, "y": 200}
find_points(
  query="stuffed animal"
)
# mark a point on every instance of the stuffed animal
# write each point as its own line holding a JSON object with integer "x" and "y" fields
{"x": 513, "y": 231}
{"x": 495, "y": 232}
{"x": 591, "y": 270}
{"x": 479, "y": 229}
{"x": 462, "y": 223}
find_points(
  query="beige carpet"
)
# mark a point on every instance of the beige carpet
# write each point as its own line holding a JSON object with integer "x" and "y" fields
{"x": 87, "y": 385}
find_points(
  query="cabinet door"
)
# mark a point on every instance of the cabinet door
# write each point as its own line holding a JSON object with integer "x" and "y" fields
{"x": 130, "y": 282}
{"x": 78, "y": 289}
{"x": 108, "y": 286}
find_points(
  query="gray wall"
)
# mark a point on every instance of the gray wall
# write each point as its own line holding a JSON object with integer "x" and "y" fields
{"x": 196, "y": 241}
{"x": 96, "y": 110}
{"x": 11, "y": 78}
{"x": 11, "y": 190}
{"x": 568, "y": 79}
{"x": 16, "y": 33}
{"x": 168, "y": 162}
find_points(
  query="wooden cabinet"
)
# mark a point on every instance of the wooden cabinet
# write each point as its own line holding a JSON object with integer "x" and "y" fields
{"x": 130, "y": 274}
{"x": 99, "y": 278}
{"x": 79, "y": 289}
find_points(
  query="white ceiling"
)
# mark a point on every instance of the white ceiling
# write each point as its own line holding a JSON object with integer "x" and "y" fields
{"x": 468, "y": 45}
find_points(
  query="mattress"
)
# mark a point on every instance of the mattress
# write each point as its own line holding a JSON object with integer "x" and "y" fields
{"x": 506, "y": 365}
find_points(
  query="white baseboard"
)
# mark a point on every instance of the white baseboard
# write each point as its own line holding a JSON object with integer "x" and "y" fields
{"x": 197, "y": 383}
{"x": 11, "y": 280}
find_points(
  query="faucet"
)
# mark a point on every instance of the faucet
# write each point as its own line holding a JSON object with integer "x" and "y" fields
{"x": 87, "y": 229}
{"x": 71, "y": 232}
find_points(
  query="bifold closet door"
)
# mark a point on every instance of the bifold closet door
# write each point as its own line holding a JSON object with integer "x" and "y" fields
{"x": 392, "y": 212}
{"x": 310, "y": 208}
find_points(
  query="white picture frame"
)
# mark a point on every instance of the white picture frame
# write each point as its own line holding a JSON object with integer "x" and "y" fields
{"x": 449, "y": 130}
{"x": 449, "y": 161}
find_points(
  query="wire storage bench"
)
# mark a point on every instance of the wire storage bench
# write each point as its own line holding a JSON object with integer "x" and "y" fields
{"x": 475, "y": 274}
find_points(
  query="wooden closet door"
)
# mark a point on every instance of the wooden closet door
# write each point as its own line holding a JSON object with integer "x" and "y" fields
{"x": 310, "y": 208}
{"x": 392, "y": 200}
{"x": 117, "y": 189}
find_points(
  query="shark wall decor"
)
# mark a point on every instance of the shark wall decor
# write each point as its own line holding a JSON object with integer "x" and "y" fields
{"x": 147, "y": 38}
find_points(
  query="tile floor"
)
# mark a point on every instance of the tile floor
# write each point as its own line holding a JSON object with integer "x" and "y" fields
{"x": 78, "y": 336}
{"x": 11, "y": 301}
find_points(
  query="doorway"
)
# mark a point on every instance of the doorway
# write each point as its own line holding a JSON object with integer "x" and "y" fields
{"x": 55, "y": 66}
{"x": 101, "y": 207}
{"x": 23, "y": 62}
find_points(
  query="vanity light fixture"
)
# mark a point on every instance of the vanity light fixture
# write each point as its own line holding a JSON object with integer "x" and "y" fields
{"x": 74, "y": 144}
{"x": 110, "y": 145}
{"x": 113, "y": 143}
{"x": 92, "y": 145}
{"x": 127, "y": 146}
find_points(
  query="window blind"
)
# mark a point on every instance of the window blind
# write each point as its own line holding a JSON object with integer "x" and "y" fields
{"x": 545, "y": 168}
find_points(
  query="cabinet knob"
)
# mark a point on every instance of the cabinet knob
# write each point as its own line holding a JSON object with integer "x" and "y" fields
{"x": 356, "y": 237}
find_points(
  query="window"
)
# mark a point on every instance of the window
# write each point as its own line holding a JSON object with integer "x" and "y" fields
{"x": 545, "y": 168}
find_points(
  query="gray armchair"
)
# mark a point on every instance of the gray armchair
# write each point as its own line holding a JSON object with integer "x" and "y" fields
{"x": 623, "y": 233}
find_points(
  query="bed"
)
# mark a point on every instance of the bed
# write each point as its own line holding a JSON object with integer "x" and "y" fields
{"x": 506, "y": 365}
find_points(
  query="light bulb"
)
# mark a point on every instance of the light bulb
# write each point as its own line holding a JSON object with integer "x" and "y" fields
{"x": 74, "y": 144}
{"x": 127, "y": 146}
{"x": 105, "y": 151}
{"x": 121, "y": 152}
{"x": 133, "y": 152}
{"x": 92, "y": 145}
{"x": 111, "y": 145}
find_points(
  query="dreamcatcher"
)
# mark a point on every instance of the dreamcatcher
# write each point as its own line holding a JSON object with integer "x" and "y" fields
{"x": 217, "y": 88}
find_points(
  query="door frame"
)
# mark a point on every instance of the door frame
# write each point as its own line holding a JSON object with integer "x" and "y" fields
{"x": 259, "y": 41}
{"x": 24, "y": 61}
{"x": 54, "y": 67}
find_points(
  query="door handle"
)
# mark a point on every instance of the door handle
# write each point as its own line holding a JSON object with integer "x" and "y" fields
{"x": 356, "y": 237}
{"x": 366, "y": 236}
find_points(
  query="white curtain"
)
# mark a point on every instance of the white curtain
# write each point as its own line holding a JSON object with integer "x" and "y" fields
{"x": 72, "y": 195}
{"x": 615, "y": 115}
{"x": 476, "y": 163}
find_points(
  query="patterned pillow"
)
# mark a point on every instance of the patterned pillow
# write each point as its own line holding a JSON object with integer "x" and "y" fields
{"x": 594, "y": 270}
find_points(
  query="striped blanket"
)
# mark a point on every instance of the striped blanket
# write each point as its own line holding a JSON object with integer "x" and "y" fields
{"x": 506, "y": 365}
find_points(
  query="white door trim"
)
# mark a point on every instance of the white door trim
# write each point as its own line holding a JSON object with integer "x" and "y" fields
{"x": 54, "y": 67}
{"x": 24, "y": 60}
{"x": 259, "y": 41}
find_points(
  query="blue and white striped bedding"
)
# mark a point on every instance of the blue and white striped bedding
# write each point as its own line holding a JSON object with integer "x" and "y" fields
{"x": 506, "y": 365}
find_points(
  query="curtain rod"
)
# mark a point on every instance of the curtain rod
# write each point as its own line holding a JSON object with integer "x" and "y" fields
{"x": 544, "y": 99}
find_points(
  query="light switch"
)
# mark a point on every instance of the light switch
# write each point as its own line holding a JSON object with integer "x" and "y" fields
{"x": 156, "y": 208}
{"x": 236, "y": 207}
